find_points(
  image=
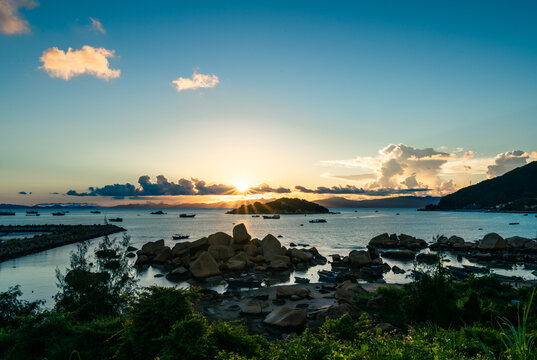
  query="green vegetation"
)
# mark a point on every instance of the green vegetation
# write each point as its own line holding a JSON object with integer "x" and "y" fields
{"x": 515, "y": 190}
{"x": 281, "y": 206}
{"x": 100, "y": 317}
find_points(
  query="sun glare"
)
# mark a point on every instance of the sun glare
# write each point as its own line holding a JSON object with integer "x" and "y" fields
{"x": 242, "y": 186}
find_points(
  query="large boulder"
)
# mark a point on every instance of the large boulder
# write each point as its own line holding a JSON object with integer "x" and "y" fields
{"x": 240, "y": 234}
{"x": 383, "y": 240}
{"x": 286, "y": 317}
{"x": 220, "y": 252}
{"x": 518, "y": 242}
{"x": 250, "y": 250}
{"x": 301, "y": 255}
{"x": 152, "y": 247}
{"x": 163, "y": 255}
{"x": 410, "y": 242}
{"x": 199, "y": 245}
{"x": 220, "y": 238}
{"x": 404, "y": 255}
{"x": 427, "y": 258}
{"x": 270, "y": 247}
{"x": 283, "y": 292}
{"x": 238, "y": 262}
{"x": 255, "y": 307}
{"x": 360, "y": 258}
{"x": 204, "y": 266}
{"x": 181, "y": 249}
{"x": 346, "y": 291}
{"x": 455, "y": 240}
{"x": 492, "y": 241}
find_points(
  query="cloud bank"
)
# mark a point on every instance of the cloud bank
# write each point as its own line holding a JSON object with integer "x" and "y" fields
{"x": 508, "y": 161}
{"x": 11, "y": 22}
{"x": 88, "y": 60}
{"x": 353, "y": 190}
{"x": 265, "y": 188}
{"x": 163, "y": 186}
{"x": 197, "y": 81}
{"x": 97, "y": 25}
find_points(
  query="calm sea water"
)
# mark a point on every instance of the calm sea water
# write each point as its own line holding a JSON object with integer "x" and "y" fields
{"x": 352, "y": 229}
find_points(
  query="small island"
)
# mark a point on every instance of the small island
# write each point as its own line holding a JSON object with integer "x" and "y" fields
{"x": 285, "y": 206}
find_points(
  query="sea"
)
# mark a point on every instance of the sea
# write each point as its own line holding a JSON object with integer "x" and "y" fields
{"x": 343, "y": 232}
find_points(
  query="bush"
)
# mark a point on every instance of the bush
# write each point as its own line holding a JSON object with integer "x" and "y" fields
{"x": 12, "y": 308}
{"x": 188, "y": 339}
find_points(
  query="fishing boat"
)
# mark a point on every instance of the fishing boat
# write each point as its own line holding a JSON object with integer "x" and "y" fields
{"x": 58, "y": 214}
{"x": 180, "y": 236}
{"x": 317, "y": 221}
{"x": 32, "y": 213}
{"x": 7, "y": 213}
{"x": 160, "y": 212}
{"x": 95, "y": 212}
{"x": 276, "y": 216}
{"x": 329, "y": 276}
{"x": 255, "y": 215}
{"x": 187, "y": 215}
{"x": 301, "y": 280}
{"x": 116, "y": 219}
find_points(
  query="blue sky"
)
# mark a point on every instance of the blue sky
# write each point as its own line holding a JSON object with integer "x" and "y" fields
{"x": 302, "y": 85}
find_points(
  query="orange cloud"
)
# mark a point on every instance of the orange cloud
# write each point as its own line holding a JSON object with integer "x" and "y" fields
{"x": 10, "y": 20}
{"x": 87, "y": 60}
{"x": 197, "y": 81}
{"x": 97, "y": 25}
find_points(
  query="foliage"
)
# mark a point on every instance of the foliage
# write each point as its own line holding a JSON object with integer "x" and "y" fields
{"x": 103, "y": 289}
{"x": 12, "y": 308}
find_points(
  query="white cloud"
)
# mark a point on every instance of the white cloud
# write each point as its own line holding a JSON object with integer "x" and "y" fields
{"x": 197, "y": 81}
{"x": 87, "y": 60}
{"x": 97, "y": 25}
{"x": 11, "y": 21}
{"x": 508, "y": 161}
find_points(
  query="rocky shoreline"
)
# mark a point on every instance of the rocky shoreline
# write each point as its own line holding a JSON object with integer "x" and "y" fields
{"x": 56, "y": 235}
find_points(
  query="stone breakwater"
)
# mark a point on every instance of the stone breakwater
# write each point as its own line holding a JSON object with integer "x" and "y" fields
{"x": 55, "y": 236}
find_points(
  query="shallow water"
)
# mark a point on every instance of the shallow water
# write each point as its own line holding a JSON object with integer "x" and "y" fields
{"x": 352, "y": 229}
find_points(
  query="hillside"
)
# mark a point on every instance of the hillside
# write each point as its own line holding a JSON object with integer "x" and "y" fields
{"x": 515, "y": 190}
{"x": 281, "y": 206}
{"x": 392, "y": 202}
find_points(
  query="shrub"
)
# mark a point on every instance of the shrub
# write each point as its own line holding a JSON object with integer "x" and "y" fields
{"x": 12, "y": 308}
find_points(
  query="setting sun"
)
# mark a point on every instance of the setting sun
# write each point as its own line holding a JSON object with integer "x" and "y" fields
{"x": 242, "y": 186}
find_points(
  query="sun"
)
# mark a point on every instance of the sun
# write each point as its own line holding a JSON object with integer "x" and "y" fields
{"x": 242, "y": 186}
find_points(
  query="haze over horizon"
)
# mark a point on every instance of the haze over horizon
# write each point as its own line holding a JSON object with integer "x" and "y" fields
{"x": 122, "y": 102}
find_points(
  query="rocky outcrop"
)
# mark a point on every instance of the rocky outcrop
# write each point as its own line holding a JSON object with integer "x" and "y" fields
{"x": 518, "y": 242}
{"x": 360, "y": 258}
{"x": 220, "y": 238}
{"x": 255, "y": 307}
{"x": 240, "y": 234}
{"x": 346, "y": 291}
{"x": 270, "y": 247}
{"x": 402, "y": 241}
{"x": 284, "y": 292}
{"x": 286, "y": 317}
{"x": 404, "y": 255}
{"x": 204, "y": 266}
{"x": 492, "y": 241}
{"x": 383, "y": 241}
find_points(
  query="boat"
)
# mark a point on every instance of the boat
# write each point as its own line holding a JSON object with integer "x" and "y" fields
{"x": 329, "y": 276}
{"x": 514, "y": 223}
{"x": 7, "y": 213}
{"x": 255, "y": 215}
{"x": 31, "y": 212}
{"x": 160, "y": 212}
{"x": 276, "y": 216}
{"x": 58, "y": 214}
{"x": 301, "y": 280}
{"x": 187, "y": 215}
{"x": 317, "y": 221}
{"x": 95, "y": 212}
{"x": 233, "y": 282}
{"x": 116, "y": 219}
{"x": 180, "y": 236}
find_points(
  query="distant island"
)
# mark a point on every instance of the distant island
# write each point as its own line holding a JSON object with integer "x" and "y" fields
{"x": 516, "y": 190}
{"x": 281, "y": 206}
{"x": 414, "y": 202}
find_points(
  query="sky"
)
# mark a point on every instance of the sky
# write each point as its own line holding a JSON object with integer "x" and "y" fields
{"x": 110, "y": 102}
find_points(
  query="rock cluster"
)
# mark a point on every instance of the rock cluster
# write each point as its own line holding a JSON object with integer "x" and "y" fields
{"x": 221, "y": 253}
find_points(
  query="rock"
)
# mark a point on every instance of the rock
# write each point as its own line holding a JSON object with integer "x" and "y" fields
{"x": 284, "y": 316}
{"x": 204, "y": 266}
{"x": 336, "y": 258}
{"x": 240, "y": 234}
{"x": 386, "y": 327}
{"x": 404, "y": 255}
{"x": 373, "y": 252}
{"x": 220, "y": 238}
{"x": 397, "y": 270}
{"x": 492, "y": 241}
{"x": 270, "y": 247}
{"x": 237, "y": 262}
{"x": 442, "y": 240}
{"x": 410, "y": 242}
{"x": 163, "y": 255}
{"x": 518, "y": 242}
{"x": 152, "y": 247}
{"x": 251, "y": 250}
{"x": 427, "y": 258}
{"x": 131, "y": 248}
{"x": 178, "y": 274}
{"x": 142, "y": 260}
{"x": 463, "y": 246}
{"x": 382, "y": 240}
{"x": 220, "y": 252}
{"x": 455, "y": 240}
{"x": 261, "y": 268}
{"x": 377, "y": 261}
{"x": 130, "y": 255}
{"x": 199, "y": 245}
{"x": 346, "y": 291}
{"x": 301, "y": 255}
{"x": 278, "y": 265}
{"x": 255, "y": 307}
{"x": 257, "y": 259}
{"x": 256, "y": 242}
{"x": 292, "y": 244}
{"x": 284, "y": 292}
{"x": 359, "y": 258}
{"x": 181, "y": 249}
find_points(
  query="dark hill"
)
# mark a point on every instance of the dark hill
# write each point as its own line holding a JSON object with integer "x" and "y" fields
{"x": 515, "y": 190}
{"x": 281, "y": 206}
{"x": 392, "y": 202}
